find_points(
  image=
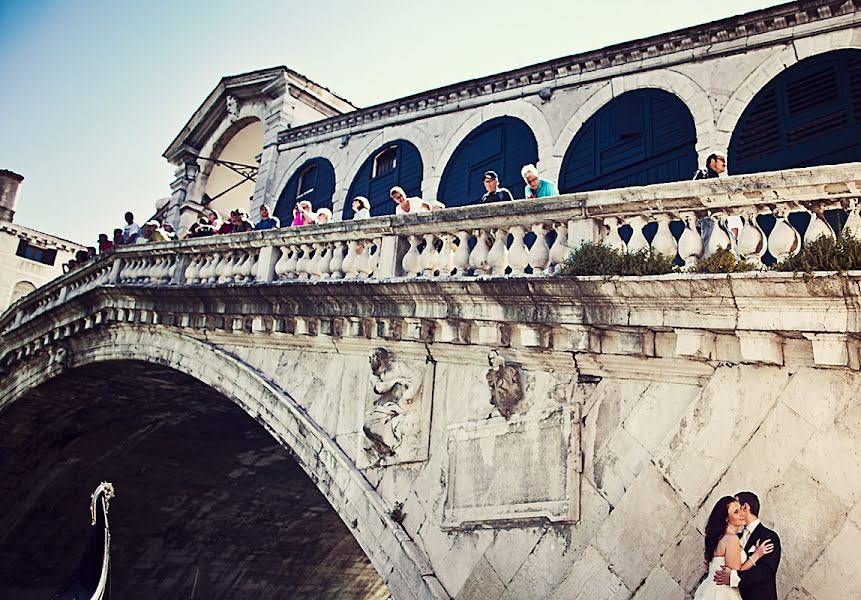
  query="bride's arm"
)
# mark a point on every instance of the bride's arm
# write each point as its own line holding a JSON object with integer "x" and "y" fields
{"x": 732, "y": 553}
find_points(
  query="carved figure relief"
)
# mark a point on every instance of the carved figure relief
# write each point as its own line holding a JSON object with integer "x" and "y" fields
{"x": 394, "y": 387}
{"x": 506, "y": 389}
{"x": 232, "y": 109}
{"x": 60, "y": 356}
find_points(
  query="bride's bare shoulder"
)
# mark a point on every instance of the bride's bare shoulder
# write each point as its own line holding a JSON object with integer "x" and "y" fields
{"x": 724, "y": 543}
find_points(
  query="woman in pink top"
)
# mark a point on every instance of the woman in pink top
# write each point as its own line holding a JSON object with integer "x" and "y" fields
{"x": 302, "y": 214}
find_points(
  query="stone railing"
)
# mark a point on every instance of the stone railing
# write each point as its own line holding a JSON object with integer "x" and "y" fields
{"x": 528, "y": 238}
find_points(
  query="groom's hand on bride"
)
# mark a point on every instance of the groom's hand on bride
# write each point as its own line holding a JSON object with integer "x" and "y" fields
{"x": 762, "y": 548}
{"x": 722, "y": 576}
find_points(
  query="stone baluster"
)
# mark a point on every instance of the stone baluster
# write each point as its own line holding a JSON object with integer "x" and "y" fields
{"x": 518, "y": 256}
{"x": 429, "y": 256}
{"x": 154, "y": 271}
{"x": 460, "y": 260}
{"x": 253, "y": 266}
{"x": 304, "y": 261}
{"x": 539, "y": 254}
{"x": 818, "y": 227}
{"x": 236, "y": 273}
{"x": 364, "y": 260}
{"x": 664, "y": 242}
{"x": 445, "y": 263}
{"x": 718, "y": 238}
{"x": 412, "y": 261}
{"x": 852, "y": 227}
{"x": 192, "y": 271}
{"x": 611, "y": 236}
{"x": 323, "y": 260}
{"x": 560, "y": 250}
{"x": 638, "y": 241}
{"x": 224, "y": 270}
{"x": 478, "y": 256}
{"x": 337, "y": 261}
{"x": 281, "y": 263}
{"x": 349, "y": 264}
{"x": 377, "y": 245}
{"x": 783, "y": 241}
{"x": 690, "y": 246}
{"x": 212, "y": 270}
{"x": 751, "y": 240}
{"x": 313, "y": 271}
{"x": 497, "y": 257}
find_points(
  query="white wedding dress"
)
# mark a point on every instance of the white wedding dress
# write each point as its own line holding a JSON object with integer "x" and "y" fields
{"x": 709, "y": 590}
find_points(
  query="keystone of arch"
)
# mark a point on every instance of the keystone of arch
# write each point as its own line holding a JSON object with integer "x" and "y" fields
{"x": 393, "y": 554}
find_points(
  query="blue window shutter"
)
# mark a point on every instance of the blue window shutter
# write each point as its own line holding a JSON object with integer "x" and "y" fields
{"x": 504, "y": 145}
{"x": 641, "y": 137}
{"x": 321, "y": 197}
{"x": 808, "y": 115}
{"x": 408, "y": 174}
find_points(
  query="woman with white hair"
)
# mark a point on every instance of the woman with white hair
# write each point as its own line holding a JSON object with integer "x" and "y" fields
{"x": 323, "y": 216}
{"x": 361, "y": 208}
{"x": 535, "y": 186}
{"x": 411, "y": 205}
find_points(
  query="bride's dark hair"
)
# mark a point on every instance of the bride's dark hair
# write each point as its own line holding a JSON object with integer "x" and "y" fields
{"x": 716, "y": 525}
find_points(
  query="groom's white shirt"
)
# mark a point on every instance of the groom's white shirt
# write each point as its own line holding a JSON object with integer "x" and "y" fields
{"x": 734, "y": 579}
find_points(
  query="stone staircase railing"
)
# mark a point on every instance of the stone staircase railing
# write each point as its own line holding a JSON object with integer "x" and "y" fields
{"x": 528, "y": 238}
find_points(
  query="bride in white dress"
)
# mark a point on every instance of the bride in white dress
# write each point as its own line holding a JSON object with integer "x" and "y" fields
{"x": 723, "y": 547}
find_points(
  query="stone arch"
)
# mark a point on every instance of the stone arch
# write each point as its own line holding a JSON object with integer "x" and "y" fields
{"x": 296, "y": 160}
{"x": 21, "y": 289}
{"x": 415, "y": 135}
{"x": 385, "y": 543}
{"x": 526, "y": 112}
{"x": 768, "y": 69}
{"x": 681, "y": 86}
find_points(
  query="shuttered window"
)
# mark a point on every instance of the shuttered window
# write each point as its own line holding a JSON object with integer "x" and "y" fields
{"x": 314, "y": 181}
{"x": 808, "y": 115}
{"x": 503, "y": 145}
{"x": 396, "y": 163}
{"x": 641, "y": 137}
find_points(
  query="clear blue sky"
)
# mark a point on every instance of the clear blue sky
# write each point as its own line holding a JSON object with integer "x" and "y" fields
{"x": 93, "y": 91}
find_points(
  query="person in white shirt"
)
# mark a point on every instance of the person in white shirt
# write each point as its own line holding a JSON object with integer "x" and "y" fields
{"x": 361, "y": 208}
{"x": 411, "y": 205}
{"x": 132, "y": 230}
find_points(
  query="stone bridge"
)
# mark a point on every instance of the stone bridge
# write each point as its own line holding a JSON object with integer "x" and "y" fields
{"x": 515, "y": 435}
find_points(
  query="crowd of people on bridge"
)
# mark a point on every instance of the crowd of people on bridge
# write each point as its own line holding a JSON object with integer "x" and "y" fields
{"x": 210, "y": 222}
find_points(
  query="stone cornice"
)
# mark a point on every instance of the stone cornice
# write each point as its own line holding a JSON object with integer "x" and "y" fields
{"x": 787, "y": 21}
{"x": 40, "y": 238}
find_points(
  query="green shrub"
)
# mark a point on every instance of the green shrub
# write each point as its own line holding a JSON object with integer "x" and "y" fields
{"x": 825, "y": 254}
{"x": 722, "y": 261}
{"x": 597, "y": 259}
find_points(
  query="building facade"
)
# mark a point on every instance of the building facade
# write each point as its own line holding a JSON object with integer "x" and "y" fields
{"x": 773, "y": 89}
{"x": 28, "y": 258}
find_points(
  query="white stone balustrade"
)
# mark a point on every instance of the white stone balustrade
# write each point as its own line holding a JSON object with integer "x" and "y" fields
{"x": 688, "y": 221}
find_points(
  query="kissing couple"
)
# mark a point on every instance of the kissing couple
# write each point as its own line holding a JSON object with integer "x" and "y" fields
{"x": 742, "y": 554}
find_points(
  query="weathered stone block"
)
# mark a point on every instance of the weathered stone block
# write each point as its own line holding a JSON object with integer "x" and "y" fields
{"x": 816, "y": 515}
{"x": 836, "y": 573}
{"x": 483, "y": 583}
{"x": 591, "y": 579}
{"x": 659, "y": 586}
{"x": 659, "y": 408}
{"x": 510, "y": 548}
{"x": 631, "y": 543}
{"x": 819, "y": 395}
{"x": 727, "y": 412}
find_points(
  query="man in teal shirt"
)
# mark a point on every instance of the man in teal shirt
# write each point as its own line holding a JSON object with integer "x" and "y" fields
{"x": 535, "y": 187}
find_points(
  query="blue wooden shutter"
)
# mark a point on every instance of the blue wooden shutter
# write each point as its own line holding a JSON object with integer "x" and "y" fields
{"x": 808, "y": 115}
{"x": 641, "y": 137}
{"x": 408, "y": 173}
{"x": 504, "y": 145}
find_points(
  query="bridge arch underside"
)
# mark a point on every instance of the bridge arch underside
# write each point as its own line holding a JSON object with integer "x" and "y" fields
{"x": 208, "y": 504}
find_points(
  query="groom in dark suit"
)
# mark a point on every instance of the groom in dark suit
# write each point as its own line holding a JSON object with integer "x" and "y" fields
{"x": 758, "y": 583}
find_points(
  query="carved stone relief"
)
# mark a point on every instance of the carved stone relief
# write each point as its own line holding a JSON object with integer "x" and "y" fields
{"x": 506, "y": 389}
{"x": 232, "y": 109}
{"x": 396, "y": 426}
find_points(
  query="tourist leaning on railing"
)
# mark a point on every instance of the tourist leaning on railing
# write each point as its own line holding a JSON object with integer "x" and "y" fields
{"x": 361, "y": 208}
{"x": 535, "y": 186}
{"x": 266, "y": 221}
{"x": 411, "y": 205}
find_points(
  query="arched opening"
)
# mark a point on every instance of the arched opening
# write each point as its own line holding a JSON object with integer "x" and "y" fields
{"x": 314, "y": 181}
{"x": 228, "y": 188}
{"x": 504, "y": 145}
{"x": 208, "y": 504}
{"x": 642, "y": 137}
{"x": 808, "y": 115}
{"x": 394, "y": 163}
{"x": 21, "y": 289}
